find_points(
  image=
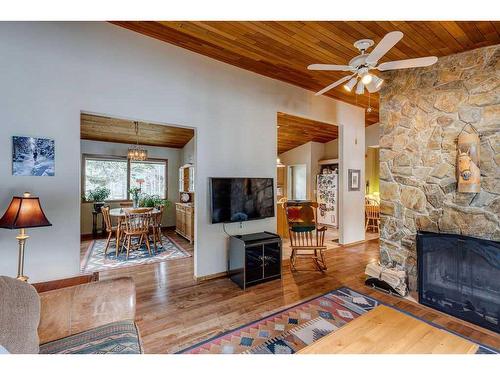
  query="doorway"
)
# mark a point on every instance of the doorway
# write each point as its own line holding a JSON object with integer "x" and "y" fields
{"x": 135, "y": 170}
{"x": 303, "y": 147}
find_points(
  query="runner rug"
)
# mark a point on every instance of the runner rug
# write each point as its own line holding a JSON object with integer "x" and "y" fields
{"x": 294, "y": 328}
{"x": 97, "y": 261}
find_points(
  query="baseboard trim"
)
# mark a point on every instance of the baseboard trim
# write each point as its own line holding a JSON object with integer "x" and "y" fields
{"x": 357, "y": 242}
{"x": 211, "y": 277}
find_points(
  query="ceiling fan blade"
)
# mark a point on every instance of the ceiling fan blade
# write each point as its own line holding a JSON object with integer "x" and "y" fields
{"x": 410, "y": 63}
{"x": 387, "y": 42}
{"x": 334, "y": 84}
{"x": 342, "y": 68}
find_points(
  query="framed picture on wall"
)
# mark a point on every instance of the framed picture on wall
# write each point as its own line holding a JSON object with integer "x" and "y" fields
{"x": 354, "y": 179}
{"x": 33, "y": 156}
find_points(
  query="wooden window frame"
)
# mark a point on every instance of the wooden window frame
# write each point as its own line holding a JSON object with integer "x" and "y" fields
{"x": 120, "y": 158}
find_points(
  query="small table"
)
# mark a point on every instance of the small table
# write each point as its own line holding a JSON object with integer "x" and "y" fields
{"x": 95, "y": 219}
{"x": 385, "y": 330}
{"x": 119, "y": 213}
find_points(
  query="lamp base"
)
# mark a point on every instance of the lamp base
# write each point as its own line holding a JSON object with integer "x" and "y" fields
{"x": 22, "y": 237}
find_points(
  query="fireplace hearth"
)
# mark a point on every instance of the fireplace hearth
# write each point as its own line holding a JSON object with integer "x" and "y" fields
{"x": 460, "y": 276}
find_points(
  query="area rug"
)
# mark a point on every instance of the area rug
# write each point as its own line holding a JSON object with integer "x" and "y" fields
{"x": 294, "y": 328}
{"x": 97, "y": 261}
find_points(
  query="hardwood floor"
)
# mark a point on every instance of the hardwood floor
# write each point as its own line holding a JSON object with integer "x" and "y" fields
{"x": 174, "y": 311}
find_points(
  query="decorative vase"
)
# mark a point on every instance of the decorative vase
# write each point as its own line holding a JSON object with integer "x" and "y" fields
{"x": 135, "y": 202}
{"x": 98, "y": 206}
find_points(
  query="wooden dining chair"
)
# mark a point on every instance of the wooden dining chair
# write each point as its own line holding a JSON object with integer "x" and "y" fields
{"x": 156, "y": 227}
{"x": 306, "y": 238}
{"x": 372, "y": 212}
{"x": 136, "y": 225}
{"x": 110, "y": 229}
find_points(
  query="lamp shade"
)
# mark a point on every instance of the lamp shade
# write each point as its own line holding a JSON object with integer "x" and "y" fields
{"x": 24, "y": 212}
{"x": 375, "y": 84}
{"x": 360, "y": 88}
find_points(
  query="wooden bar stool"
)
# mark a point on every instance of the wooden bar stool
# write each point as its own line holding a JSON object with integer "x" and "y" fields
{"x": 372, "y": 217}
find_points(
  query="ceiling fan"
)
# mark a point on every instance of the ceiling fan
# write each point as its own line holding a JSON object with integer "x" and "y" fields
{"x": 361, "y": 65}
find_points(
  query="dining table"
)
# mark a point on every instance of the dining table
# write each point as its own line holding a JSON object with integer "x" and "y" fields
{"x": 119, "y": 213}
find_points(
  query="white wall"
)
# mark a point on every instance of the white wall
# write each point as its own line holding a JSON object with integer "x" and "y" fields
{"x": 372, "y": 135}
{"x": 317, "y": 153}
{"x": 52, "y": 71}
{"x": 309, "y": 154}
{"x": 188, "y": 152}
{"x": 173, "y": 155}
{"x": 332, "y": 149}
{"x": 300, "y": 155}
{"x": 351, "y": 203}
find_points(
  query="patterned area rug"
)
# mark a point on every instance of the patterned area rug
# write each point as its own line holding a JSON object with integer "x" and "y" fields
{"x": 97, "y": 261}
{"x": 294, "y": 328}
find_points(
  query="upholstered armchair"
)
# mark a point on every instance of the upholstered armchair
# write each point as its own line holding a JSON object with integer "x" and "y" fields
{"x": 96, "y": 317}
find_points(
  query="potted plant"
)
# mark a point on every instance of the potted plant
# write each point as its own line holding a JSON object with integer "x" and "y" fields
{"x": 98, "y": 196}
{"x": 153, "y": 201}
{"x": 136, "y": 194}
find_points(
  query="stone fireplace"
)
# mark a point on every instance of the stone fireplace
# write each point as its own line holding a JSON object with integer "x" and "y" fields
{"x": 422, "y": 112}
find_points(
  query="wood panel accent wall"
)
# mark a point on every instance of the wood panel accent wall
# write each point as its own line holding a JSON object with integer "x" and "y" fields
{"x": 283, "y": 49}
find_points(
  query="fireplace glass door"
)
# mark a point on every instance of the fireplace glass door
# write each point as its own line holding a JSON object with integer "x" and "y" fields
{"x": 460, "y": 276}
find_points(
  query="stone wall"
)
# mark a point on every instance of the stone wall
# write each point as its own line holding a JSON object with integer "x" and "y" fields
{"x": 422, "y": 111}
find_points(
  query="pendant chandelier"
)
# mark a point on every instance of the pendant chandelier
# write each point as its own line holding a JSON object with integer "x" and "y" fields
{"x": 136, "y": 152}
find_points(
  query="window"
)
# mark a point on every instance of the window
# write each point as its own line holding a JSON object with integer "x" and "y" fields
{"x": 119, "y": 175}
{"x": 149, "y": 176}
{"x": 111, "y": 174}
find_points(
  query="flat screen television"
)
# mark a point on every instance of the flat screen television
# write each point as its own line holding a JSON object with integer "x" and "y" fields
{"x": 241, "y": 199}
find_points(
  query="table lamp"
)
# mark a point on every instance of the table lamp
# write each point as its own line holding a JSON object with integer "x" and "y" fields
{"x": 23, "y": 212}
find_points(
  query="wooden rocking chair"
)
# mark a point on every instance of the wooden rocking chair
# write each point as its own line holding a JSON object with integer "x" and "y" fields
{"x": 307, "y": 240}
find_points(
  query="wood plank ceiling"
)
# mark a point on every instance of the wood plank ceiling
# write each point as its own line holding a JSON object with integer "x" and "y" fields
{"x": 294, "y": 131}
{"x": 108, "y": 129}
{"x": 283, "y": 49}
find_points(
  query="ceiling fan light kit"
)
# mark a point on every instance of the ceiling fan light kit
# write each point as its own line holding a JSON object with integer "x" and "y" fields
{"x": 375, "y": 85}
{"x": 366, "y": 77}
{"x": 360, "y": 88}
{"x": 350, "y": 85}
{"x": 361, "y": 65}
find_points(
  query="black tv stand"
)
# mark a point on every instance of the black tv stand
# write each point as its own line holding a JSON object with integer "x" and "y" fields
{"x": 254, "y": 258}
